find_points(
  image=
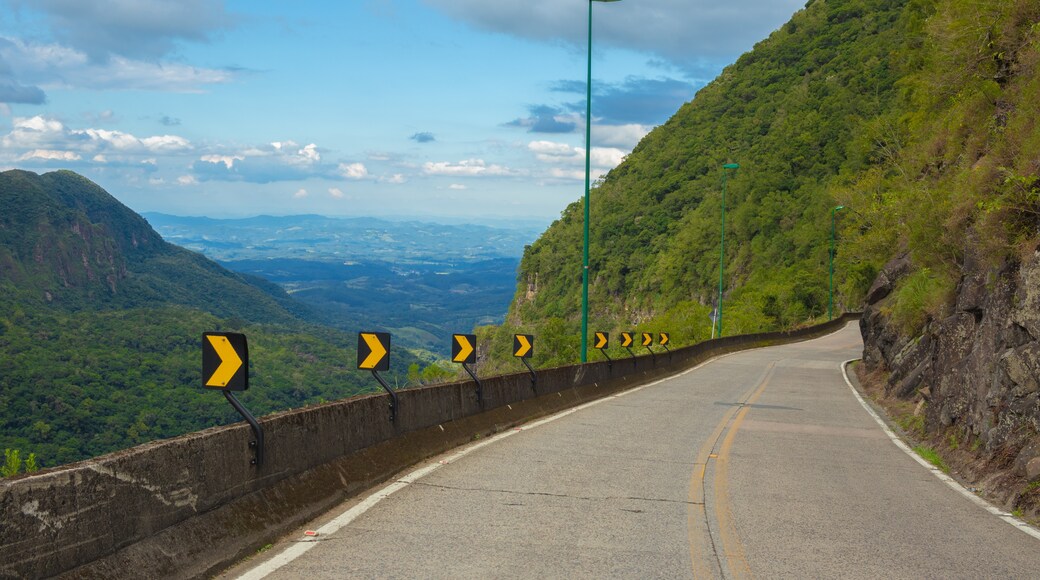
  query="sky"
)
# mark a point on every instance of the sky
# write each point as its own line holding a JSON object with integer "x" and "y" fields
{"x": 470, "y": 110}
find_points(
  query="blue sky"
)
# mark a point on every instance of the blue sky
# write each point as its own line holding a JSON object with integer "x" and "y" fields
{"x": 437, "y": 109}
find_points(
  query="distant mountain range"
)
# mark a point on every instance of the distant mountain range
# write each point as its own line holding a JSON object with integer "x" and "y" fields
{"x": 313, "y": 237}
{"x": 421, "y": 281}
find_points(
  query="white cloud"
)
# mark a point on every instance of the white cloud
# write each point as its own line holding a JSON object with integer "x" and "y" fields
{"x": 50, "y": 155}
{"x": 53, "y": 66}
{"x": 336, "y": 192}
{"x": 187, "y": 180}
{"x": 227, "y": 160}
{"x": 606, "y": 157}
{"x": 458, "y": 186}
{"x": 396, "y": 178}
{"x": 622, "y": 136}
{"x": 573, "y": 174}
{"x": 300, "y": 193}
{"x": 551, "y": 149}
{"x": 466, "y": 168}
{"x": 551, "y": 152}
{"x": 310, "y": 153}
{"x": 353, "y": 170}
{"x": 46, "y": 133}
{"x": 567, "y": 162}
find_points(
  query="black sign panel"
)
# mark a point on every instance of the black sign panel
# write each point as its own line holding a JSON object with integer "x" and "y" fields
{"x": 225, "y": 361}
{"x": 373, "y": 351}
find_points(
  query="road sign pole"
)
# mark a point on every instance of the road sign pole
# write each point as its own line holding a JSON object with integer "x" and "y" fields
{"x": 534, "y": 376}
{"x": 373, "y": 354}
{"x": 393, "y": 396}
{"x": 258, "y": 432}
{"x": 480, "y": 388}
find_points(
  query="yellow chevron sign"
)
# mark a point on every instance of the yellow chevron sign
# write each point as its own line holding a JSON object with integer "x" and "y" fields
{"x": 602, "y": 340}
{"x": 373, "y": 351}
{"x": 225, "y": 361}
{"x": 626, "y": 339}
{"x": 648, "y": 339}
{"x": 522, "y": 345}
{"x": 464, "y": 348}
{"x": 664, "y": 339}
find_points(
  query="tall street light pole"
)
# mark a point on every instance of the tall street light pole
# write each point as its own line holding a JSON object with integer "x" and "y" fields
{"x": 588, "y": 165}
{"x": 830, "y": 299}
{"x": 722, "y": 245}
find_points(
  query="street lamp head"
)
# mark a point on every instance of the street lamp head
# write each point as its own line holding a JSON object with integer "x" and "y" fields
{"x": 731, "y": 166}
{"x": 604, "y": 0}
{"x": 840, "y": 207}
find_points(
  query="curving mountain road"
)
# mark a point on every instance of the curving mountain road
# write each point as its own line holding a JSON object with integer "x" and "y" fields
{"x": 761, "y": 463}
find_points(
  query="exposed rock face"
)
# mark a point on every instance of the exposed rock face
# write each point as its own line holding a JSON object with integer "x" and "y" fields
{"x": 978, "y": 367}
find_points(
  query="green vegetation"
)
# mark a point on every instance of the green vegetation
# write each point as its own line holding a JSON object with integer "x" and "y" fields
{"x": 912, "y": 424}
{"x": 930, "y": 455}
{"x": 101, "y": 324}
{"x": 13, "y": 463}
{"x": 919, "y": 116}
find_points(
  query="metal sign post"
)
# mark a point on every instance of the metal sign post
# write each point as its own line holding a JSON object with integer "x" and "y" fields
{"x": 648, "y": 339}
{"x": 225, "y": 367}
{"x": 464, "y": 350}
{"x": 523, "y": 349}
{"x": 626, "y": 342}
{"x": 373, "y": 354}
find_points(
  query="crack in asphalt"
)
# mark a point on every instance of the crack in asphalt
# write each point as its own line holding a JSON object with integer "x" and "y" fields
{"x": 556, "y": 495}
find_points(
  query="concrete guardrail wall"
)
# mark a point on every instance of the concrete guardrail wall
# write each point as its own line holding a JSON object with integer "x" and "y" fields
{"x": 192, "y": 505}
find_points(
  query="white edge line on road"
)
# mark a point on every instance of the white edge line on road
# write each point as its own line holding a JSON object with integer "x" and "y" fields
{"x": 301, "y": 547}
{"x": 1010, "y": 519}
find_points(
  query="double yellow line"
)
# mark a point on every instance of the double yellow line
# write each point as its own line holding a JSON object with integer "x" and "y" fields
{"x": 707, "y": 557}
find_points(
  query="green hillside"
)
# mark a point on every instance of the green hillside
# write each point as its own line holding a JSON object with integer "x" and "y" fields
{"x": 918, "y": 116}
{"x": 67, "y": 243}
{"x": 101, "y": 322}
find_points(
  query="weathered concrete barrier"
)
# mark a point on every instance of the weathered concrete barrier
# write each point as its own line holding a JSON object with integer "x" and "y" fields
{"x": 192, "y": 505}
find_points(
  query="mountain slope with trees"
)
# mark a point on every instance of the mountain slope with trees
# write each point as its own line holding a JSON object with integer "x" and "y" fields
{"x": 101, "y": 322}
{"x": 793, "y": 113}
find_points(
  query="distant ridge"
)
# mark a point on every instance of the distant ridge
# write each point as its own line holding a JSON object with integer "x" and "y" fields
{"x": 66, "y": 242}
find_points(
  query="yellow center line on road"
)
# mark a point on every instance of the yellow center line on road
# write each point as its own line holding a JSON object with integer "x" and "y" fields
{"x": 702, "y": 549}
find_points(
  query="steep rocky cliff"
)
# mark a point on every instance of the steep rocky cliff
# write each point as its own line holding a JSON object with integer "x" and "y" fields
{"x": 973, "y": 372}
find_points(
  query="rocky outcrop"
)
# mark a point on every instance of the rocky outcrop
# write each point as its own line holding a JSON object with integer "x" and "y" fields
{"x": 977, "y": 366}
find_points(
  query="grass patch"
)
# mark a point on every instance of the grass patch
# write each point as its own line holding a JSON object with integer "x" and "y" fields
{"x": 913, "y": 424}
{"x": 929, "y": 455}
{"x": 922, "y": 295}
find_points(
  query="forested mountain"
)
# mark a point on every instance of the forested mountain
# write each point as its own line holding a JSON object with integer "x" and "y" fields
{"x": 888, "y": 108}
{"x": 67, "y": 243}
{"x": 101, "y": 322}
{"x": 795, "y": 114}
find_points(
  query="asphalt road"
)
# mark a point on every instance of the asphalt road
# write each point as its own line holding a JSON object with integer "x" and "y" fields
{"x": 760, "y": 463}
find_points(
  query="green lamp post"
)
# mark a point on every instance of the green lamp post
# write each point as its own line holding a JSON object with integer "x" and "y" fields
{"x": 588, "y": 164}
{"x": 722, "y": 246}
{"x": 830, "y": 299}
